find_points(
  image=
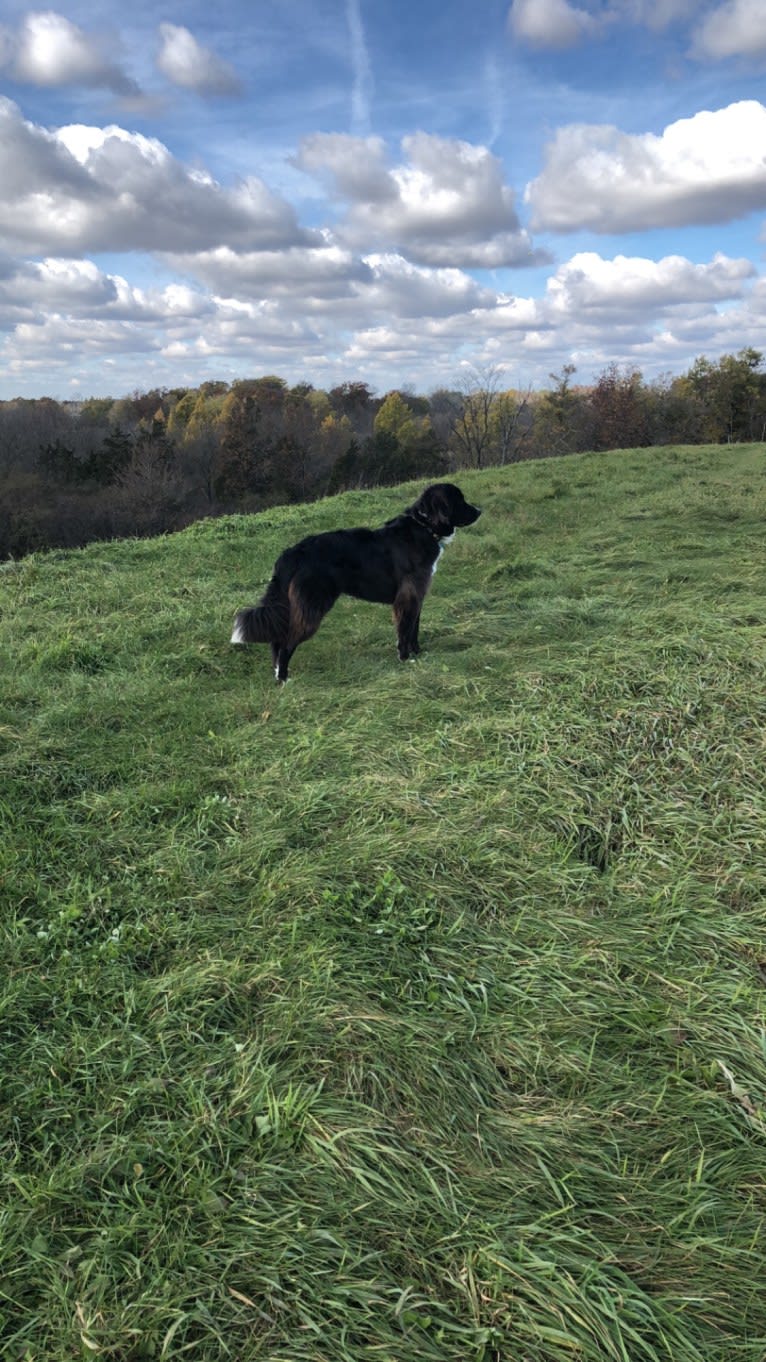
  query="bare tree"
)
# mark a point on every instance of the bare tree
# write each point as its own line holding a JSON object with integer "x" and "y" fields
{"x": 512, "y": 423}
{"x": 201, "y": 453}
{"x": 488, "y": 423}
{"x": 471, "y": 434}
{"x": 149, "y": 491}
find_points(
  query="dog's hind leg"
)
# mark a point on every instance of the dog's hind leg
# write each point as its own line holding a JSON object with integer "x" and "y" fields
{"x": 281, "y": 664}
{"x": 308, "y": 607}
{"x": 297, "y": 635}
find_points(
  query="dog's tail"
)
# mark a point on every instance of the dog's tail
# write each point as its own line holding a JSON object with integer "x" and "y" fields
{"x": 264, "y": 623}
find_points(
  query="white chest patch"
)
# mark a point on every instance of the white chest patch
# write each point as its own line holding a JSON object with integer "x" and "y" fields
{"x": 447, "y": 540}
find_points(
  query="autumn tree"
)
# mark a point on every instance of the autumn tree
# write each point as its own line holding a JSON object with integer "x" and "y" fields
{"x": 403, "y": 444}
{"x": 354, "y": 400}
{"x": 732, "y": 393}
{"x": 240, "y": 420}
{"x": 181, "y": 413}
{"x": 395, "y": 417}
{"x": 619, "y": 409}
{"x": 561, "y": 419}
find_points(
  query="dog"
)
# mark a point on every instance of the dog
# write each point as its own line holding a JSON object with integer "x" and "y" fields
{"x": 392, "y": 565}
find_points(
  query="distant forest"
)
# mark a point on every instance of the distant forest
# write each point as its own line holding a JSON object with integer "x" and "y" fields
{"x": 105, "y": 468}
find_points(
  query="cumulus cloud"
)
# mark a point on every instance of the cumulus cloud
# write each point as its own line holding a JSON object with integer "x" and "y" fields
{"x": 595, "y": 310}
{"x": 400, "y": 289}
{"x": 386, "y": 290}
{"x": 709, "y": 168}
{"x": 734, "y": 29}
{"x": 659, "y": 14}
{"x": 187, "y": 63}
{"x": 309, "y": 274}
{"x": 62, "y": 314}
{"x": 76, "y": 286}
{"x": 78, "y": 291}
{"x": 336, "y": 281}
{"x": 85, "y": 189}
{"x": 628, "y": 285}
{"x": 549, "y": 23}
{"x": 590, "y": 297}
{"x": 730, "y": 29}
{"x": 445, "y": 204}
{"x": 627, "y": 309}
{"x": 49, "y": 50}
{"x": 355, "y": 167}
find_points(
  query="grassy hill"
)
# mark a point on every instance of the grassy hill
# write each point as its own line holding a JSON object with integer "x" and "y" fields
{"x": 406, "y": 1012}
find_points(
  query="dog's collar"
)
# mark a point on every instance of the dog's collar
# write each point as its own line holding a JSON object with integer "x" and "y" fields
{"x": 421, "y": 520}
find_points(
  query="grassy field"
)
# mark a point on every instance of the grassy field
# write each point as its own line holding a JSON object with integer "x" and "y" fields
{"x": 405, "y": 1012}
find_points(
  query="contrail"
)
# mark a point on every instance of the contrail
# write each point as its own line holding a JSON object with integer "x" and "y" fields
{"x": 495, "y": 98}
{"x": 361, "y": 89}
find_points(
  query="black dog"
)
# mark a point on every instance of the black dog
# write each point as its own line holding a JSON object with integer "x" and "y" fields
{"x": 393, "y": 565}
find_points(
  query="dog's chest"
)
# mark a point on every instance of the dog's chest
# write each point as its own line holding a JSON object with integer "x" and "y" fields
{"x": 442, "y": 542}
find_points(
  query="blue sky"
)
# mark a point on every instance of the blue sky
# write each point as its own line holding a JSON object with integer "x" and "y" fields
{"x": 407, "y": 194}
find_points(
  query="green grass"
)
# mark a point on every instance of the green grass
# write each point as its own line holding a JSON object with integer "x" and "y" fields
{"x": 406, "y": 1012}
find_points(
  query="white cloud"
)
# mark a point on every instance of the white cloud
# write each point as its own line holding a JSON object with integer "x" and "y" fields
{"x": 595, "y": 310}
{"x": 187, "y": 63}
{"x": 709, "y": 168}
{"x": 58, "y": 339}
{"x": 63, "y": 313}
{"x": 69, "y": 315}
{"x": 78, "y": 290}
{"x": 653, "y": 14}
{"x": 334, "y": 281}
{"x": 356, "y": 167}
{"x": 85, "y": 189}
{"x": 76, "y": 285}
{"x": 626, "y": 286}
{"x": 308, "y": 274}
{"x": 734, "y": 29}
{"x": 549, "y": 23}
{"x": 49, "y": 50}
{"x": 446, "y": 204}
{"x": 400, "y": 289}
{"x": 659, "y": 14}
{"x": 382, "y": 290}
{"x": 589, "y": 295}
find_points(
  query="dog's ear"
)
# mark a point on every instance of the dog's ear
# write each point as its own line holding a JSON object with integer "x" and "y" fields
{"x": 434, "y": 506}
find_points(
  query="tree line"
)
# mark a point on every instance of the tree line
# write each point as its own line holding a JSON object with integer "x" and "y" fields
{"x": 155, "y": 461}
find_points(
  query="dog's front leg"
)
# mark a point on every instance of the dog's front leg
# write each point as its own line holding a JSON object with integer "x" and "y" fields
{"x": 407, "y": 620}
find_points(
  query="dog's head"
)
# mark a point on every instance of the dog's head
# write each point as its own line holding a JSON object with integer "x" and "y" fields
{"x": 443, "y": 508}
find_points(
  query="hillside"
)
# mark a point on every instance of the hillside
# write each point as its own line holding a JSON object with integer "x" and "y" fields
{"x": 405, "y": 1012}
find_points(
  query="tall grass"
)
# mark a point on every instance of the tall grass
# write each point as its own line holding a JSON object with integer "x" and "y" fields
{"x": 406, "y": 1012}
